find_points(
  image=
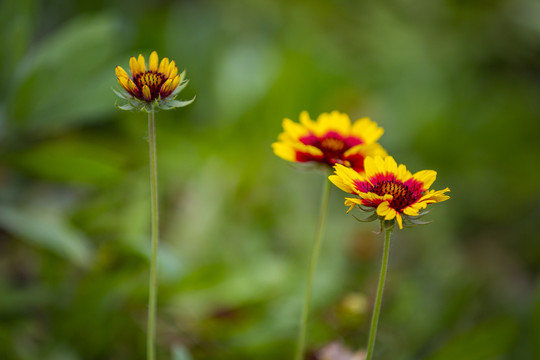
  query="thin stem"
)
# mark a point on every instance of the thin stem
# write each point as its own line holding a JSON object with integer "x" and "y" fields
{"x": 152, "y": 299}
{"x": 378, "y": 299}
{"x": 311, "y": 270}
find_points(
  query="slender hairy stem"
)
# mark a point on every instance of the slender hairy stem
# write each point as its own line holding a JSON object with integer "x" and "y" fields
{"x": 378, "y": 299}
{"x": 311, "y": 271}
{"x": 151, "y": 330}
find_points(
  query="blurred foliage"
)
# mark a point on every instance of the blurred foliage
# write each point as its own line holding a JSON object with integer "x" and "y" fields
{"x": 455, "y": 84}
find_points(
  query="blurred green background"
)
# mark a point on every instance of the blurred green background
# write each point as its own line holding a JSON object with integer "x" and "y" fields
{"x": 455, "y": 84}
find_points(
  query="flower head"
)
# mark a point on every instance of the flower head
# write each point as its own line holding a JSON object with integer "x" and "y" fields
{"x": 155, "y": 86}
{"x": 388, "y": 190}
{"x": 330, "y": 140}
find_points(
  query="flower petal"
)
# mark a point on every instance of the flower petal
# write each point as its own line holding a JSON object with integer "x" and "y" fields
{"x": 373, "y": 166}
{"x": 433, "y": 196}
{"x": 334, "y": 121}
{"x": 402, "y": 174}
{"x": 124, "y": 82}
{"x": 147, "y": 95}
{"x": 399, "y": 220}
{"x": 386, "y": 211}
{"x": 120, "y": 72}
{"x": 172, "y": 69}
{"x": 411, "y": 210}
{"x": 367, "y": 130}
{"x": 427, "y": 177}
{"x": 134, "y": 66}
{"x": 345, "y": 178}
{"x": 132, "y": 87}
{"x": 340, "y": 183}
{"x": 142, "y": 64}
{"x": 164, "y": 65}
{"x": 173, "y": 73}
{"x": 175, "y": 82}
{"x": 302, "y": 153}
{"x": 284, "y": 151}
{"x": 375, "y": 197}
{"x": 153, "y": 62}
{"x": 294, "y": 130}
{"x": 365, "y": 150}
{"x": 306, "y": 121}
{"x": 166, "y": 88}
{"x": 390, "y": 165}
{"x": 352, "y": 202}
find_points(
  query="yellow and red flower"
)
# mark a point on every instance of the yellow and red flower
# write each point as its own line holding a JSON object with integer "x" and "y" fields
{"x": 156, "y": 85}
{"x": 330, "y": 140}
{"x": 388, "y": 190}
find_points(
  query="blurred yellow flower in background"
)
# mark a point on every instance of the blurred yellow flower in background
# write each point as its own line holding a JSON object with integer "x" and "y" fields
{"x": 331, "y": 139}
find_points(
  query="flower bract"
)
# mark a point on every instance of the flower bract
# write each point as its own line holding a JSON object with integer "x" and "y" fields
{"x": 390, "y": 191}
{"x": 331, "y": 139}
{"x": 155, "y": 86}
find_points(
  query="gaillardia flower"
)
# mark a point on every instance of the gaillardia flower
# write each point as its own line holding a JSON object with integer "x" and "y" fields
{"x": 388, "y": 190}
{"x": 152, "y": 87}
{"x": 330, "y": 140}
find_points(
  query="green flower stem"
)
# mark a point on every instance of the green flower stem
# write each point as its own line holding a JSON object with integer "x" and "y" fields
{"x": 152, "y": 299}
{"x": 311, "y": 271}
{"x": 378, "y": 299}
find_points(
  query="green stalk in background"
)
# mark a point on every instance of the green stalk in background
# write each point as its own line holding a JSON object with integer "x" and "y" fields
{"x": 378, "y": 298}
{"x": 311, "y": 271}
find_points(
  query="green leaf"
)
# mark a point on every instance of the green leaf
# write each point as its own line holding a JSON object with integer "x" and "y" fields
{"x": 48, "y": 230}
{"x": 60, "y": 84}
{"x": 71, "y": 161}
{"x": 486, "y": 341}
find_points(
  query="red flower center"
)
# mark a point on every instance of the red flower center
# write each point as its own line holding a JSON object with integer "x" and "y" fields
{"x": 403, "y": 195}
{"x": 333, "y": 146}
{"x": 151, "y": 79}
{"x": 333, "y": 149}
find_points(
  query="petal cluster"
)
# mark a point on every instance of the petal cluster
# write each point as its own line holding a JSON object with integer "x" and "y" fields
{"x": 158, "y": 84}
{"x": 331, "y": 139}
{"x": 388, "y": 189}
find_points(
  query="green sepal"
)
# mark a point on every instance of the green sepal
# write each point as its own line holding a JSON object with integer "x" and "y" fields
{"x": 416, "y": 221}
{"x": 177, "y": 103}
{"x": 172, "y": 104}
{"x": 365, "y": 208}
{"x": 132, "y": 102}
{"x": 388, "y": 224}
{"x": 381, "y": 227}
{"x": 122, "y": 94}
{"x": 385, "y": 225}
{"x": 125, "y": 107}
{"x": 179, "y": 88}
{"x": 422, "y": 213}
{"x": 370, "y": 218}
